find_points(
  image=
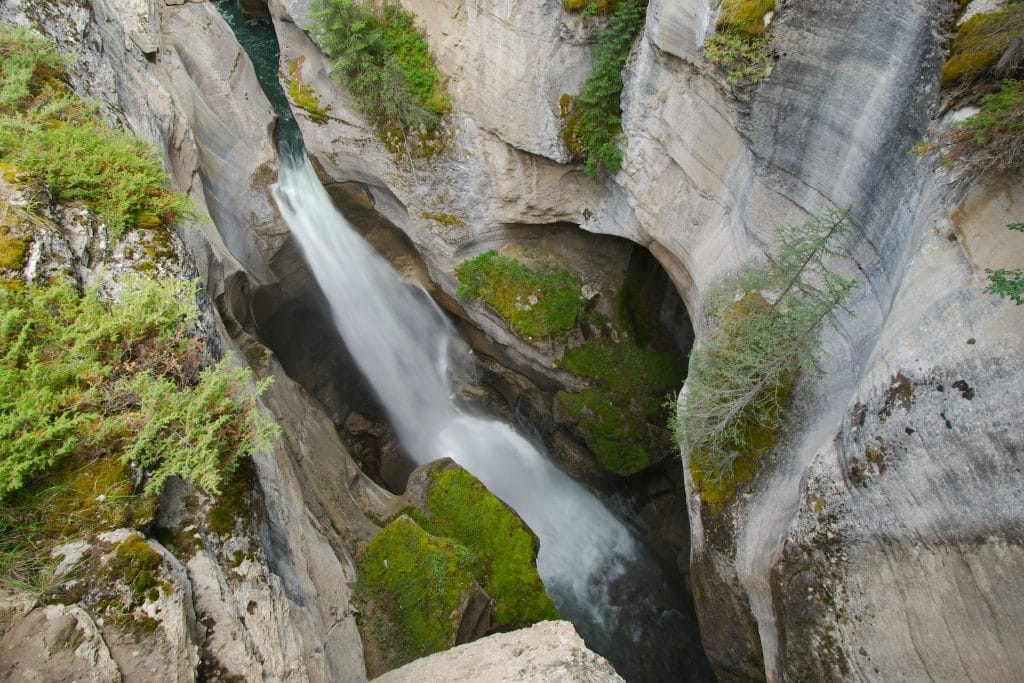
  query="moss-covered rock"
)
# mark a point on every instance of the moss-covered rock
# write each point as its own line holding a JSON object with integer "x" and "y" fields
{"x": 630, "y": 383}
{"x": 980, "y": 42}
{"x": 536, "y": 302}
{"x": 413, "y": 588}
{"x": 504, "y": 550}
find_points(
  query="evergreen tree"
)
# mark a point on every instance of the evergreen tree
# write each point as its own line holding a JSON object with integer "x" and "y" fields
{"x": 760, "y": 330}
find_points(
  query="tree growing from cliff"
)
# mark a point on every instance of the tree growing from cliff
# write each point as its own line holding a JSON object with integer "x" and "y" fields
{"x": 760, "y": 330}
{"x": 384, "y": 62}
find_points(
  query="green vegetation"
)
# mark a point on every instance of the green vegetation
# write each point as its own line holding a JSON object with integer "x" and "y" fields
{"x": 980, "y": 43}
{"x": 537, "y": 302}
{"x": 630, "y": 386}
{"x": 383, "y": 60}
{"x": 503, "y": 550}
{"x": 744, "y": 16}
{"x": 411, "y": 584}
{"x": 443, "y": 218}
{"x": 741, "y": 44}
{"x": 991, "y": 141}
{"x": 745, "y": 58}
{"x": 89, "y": 388}
{"x": 302, "y": 93}
{"x": 593, "y": 122}
{"x": 47, "y": 130}
{"x": 1007, "y": 283}
{"x": 591, "y": 8}
{"x": 81, "y": 375}
{"x": 762, "y": 329}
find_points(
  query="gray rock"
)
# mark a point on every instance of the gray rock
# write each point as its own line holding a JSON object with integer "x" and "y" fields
{"x": 550, "y": 651}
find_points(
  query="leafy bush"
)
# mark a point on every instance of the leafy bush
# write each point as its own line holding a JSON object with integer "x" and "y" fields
{"x": 761, "y": 329}
{"x": 745, "y": 58}
{"x": 384, "y": 61}
{"x": 980, "y": 43}
{"x": 49, "y": 131}
{"x": 1007, "y": 283}
{"x": 595, "y": 125}
{"x": 83, "y": 376}
{"x": 30, "y": 66}
{"x": 537, "y": 302}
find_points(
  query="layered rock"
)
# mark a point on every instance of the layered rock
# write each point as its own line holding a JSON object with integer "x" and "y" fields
{"x": 708, "y": 170}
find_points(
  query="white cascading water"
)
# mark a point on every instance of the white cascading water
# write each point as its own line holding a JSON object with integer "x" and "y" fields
{"x": 400, "y": 341}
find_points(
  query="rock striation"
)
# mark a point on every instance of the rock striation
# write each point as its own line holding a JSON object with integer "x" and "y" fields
{"x": 881, "y": 538}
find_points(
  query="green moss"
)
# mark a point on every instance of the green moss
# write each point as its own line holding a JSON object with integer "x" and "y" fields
{"x": 744, "y": 17}
{"x": 504, "y": 551}
{"x": 537, "y": 302}
{"x": 13, "y": 251}
{"x": 980, "y": 42}
{"x": 135, "y": 565}
{"x": 630, "y": 385}
{"x": 411, "y": 584}
{"x": 613, "y": 433}
{"x": 302, "y": 94}
{"x": 232, "y": 511}
{"x": 591, "y": 7}
{"x": 625, "y": 369}
{"x": 443, "y": 218}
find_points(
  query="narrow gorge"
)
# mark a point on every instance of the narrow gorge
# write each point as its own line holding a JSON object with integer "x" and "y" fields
{"x": 475, "y": 322}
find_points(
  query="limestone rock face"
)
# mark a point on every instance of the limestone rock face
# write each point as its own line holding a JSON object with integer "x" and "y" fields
{"x": 548, "y": 651}
{"x": 66, "y": 644}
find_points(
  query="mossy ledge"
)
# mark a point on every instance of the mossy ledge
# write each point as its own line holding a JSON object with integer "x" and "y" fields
{"x": 417, "y": 575}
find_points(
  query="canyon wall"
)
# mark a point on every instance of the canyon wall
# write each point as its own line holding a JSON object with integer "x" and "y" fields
{"x": 881, "y": 538}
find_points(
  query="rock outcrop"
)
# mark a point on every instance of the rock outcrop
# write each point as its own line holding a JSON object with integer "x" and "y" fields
{"x": 882, "y": 536}
{"x": 548, "y": 651}
{"x": 708, "y": 170}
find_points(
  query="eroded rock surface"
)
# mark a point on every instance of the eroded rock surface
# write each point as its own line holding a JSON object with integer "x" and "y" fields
{"x": 548, "y": 651}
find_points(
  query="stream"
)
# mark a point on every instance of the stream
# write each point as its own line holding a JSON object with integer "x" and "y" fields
{"x": 597, "y": 571}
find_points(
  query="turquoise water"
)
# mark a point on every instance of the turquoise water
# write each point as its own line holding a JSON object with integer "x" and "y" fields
{"x": 258, "y": 39}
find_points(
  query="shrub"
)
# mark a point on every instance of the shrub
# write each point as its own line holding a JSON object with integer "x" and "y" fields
{"x": 30, "y": 66}
{"x": 745, "y": 58}
{"x": 991, "y": 141}
{"x": 47, "y": 130}
{"x": 760, "y": 331}
{"x": 537, "y": 302}
{"x": 80, "y": 375}
{"x": 595, "y": 124}
{"x": 384, "y": 61}
{"x": 741, "y": 45}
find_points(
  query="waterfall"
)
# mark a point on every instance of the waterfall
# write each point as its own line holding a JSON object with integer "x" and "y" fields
{"x": 400, "y": 341}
